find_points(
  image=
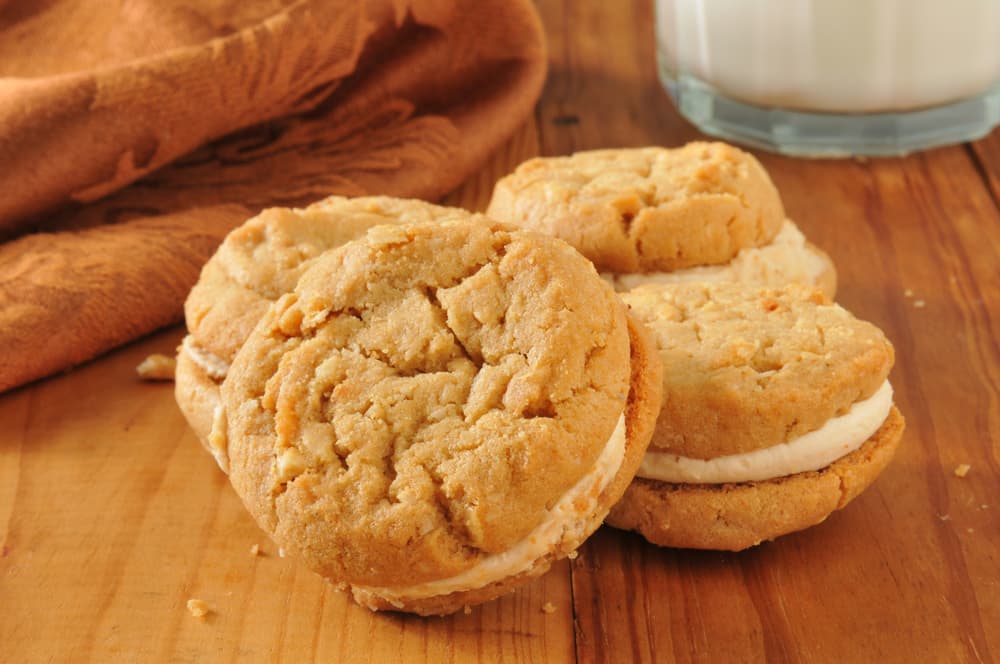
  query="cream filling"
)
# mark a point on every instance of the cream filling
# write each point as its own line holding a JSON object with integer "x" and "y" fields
{"x": 785, "y": 260}
{"x": 817, "y": 449}
{"x": 209, "y": 362}
{"x": 579, "y": 502}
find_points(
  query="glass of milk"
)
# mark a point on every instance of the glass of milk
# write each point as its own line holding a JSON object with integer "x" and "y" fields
{"x": 833, "y": 77}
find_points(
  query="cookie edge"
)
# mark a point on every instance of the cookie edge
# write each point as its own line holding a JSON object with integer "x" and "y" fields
{"x": 673, "y": 515}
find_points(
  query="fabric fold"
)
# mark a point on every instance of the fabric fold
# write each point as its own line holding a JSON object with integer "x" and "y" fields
{"x": 165, "y": 125}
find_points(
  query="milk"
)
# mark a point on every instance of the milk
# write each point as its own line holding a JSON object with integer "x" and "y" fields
{"x": 834, "y": 56}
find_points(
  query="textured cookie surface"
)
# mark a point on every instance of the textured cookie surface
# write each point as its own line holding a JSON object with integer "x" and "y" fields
{"x": 264, "y": 258}
{"x": 736, "y": 516}
{"x": 256, "y": 263}
{"x": 423, "y": 397}
{"x": 646, "y": 209}
{"x": 746, "y": 368}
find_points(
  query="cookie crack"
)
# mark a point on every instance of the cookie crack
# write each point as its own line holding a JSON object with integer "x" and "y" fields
{"x": 627, "y": 217}
{"x": 762, "y": 364}
{"x": 696, "y": 328}
{"x": 448, "y": 512}
{"x": 310, "y": 330}
{"x": 499, "y": 251}
{"x": 789, "y": 427}
{"x": 383, "y": 358}
{"x": 476, "y": 358}
{"x": 844, "y": 493}
{"x": 281, "y": 488}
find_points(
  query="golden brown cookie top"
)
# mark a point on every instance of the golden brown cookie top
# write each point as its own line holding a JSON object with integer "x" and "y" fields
{"x": 646, "y": 209}
{"x": 423, "y": 397}
{"x": 264, "y": 258}
{"x": 746, "y": 367}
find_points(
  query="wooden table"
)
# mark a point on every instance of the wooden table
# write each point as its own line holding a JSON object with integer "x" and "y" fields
{"x": 112, "y": 517}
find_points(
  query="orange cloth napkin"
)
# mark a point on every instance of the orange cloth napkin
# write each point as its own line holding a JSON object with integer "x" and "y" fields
{"x": 135, "y": 134}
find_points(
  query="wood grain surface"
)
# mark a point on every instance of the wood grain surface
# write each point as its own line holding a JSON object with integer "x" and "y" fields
{"x": 112, "y": 516}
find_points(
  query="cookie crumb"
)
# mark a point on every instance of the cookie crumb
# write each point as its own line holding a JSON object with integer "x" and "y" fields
{"x": 255, "y": 550}
{"x": 962, "y": 470}
{"x": 908, "y": 292}
{"x": 157, "y": 367}
{"x": 919, "y": 304}
{"x": 548, "y": 607}
{"x": 198, "y": 607}
{"x": 467, "y": 610}
{"x": 944, "y": 517}
{"x": 572, "y": 555}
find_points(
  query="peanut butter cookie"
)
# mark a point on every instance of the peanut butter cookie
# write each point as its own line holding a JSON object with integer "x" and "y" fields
{"x": 776, "y": 411}
{"x": 646, "y": 209}
{"x": 438, "y": 411}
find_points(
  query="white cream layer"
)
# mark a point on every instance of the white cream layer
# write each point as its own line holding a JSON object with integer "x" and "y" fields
{"x": 577, "y": 503}
{"x": 210, "y": 363}
{"x": 817, "y": 449}
{"x": 785, "y": 260}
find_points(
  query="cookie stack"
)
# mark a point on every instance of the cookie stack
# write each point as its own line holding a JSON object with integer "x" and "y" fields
{"x": 776, "y": 406}
{"x": 429, "y": 406}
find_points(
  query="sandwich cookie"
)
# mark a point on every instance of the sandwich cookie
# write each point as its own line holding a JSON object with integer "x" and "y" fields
{"x": 439, "y": 411}
{"x": 256, "y": 264}
{"x": 776, "y": 412}
{"x": 701, "y": 212}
